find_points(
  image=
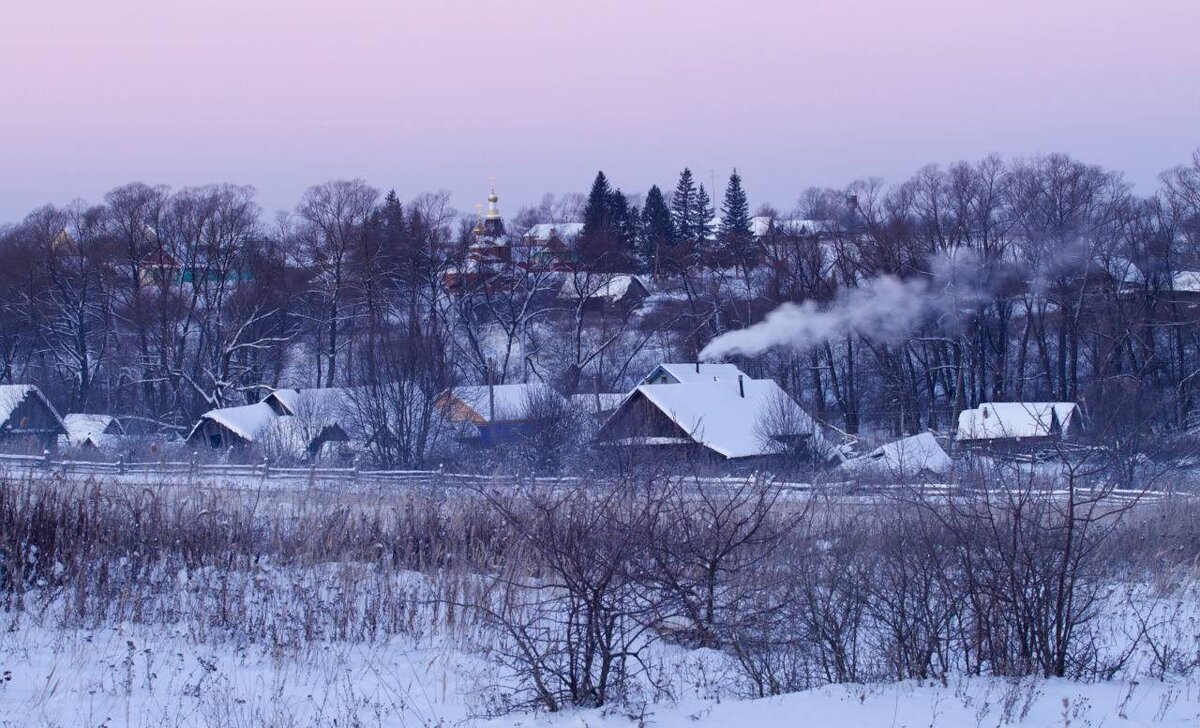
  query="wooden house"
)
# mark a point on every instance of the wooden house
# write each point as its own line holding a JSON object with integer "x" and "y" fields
{"x": 1018, "y": 427}
{"x": 27, "y": 419}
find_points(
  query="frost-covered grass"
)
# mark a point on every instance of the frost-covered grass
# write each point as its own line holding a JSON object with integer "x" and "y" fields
{"x": 126, "y": 675}
{"x": 127, "y": 604}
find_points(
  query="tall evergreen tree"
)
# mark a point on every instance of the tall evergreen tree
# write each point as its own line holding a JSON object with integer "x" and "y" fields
{"x": 736, "y": 235}
{"x": 658, "y": 229}
{"x": 683, "y": 207}
{"x": 622, "y": 228}
{"x": 599, "y": 202}
{"x": 703, "y": 227}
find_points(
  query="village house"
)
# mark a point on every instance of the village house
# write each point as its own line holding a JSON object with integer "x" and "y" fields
{"x": 91, "y": 431}
{"x": 325, "y": 416}
{"x": 548, "y": 245}
{"x": 711, "y": 417}
{"x": 228, "y": 427}
{"x": 494, "y": 414}
{"x": 27, "y": 419}
{"x": 604, "y": 292}
{"x": 295, "y": 423}
{"x": 692, "y": 372}
{"x": 1018, "y": 427}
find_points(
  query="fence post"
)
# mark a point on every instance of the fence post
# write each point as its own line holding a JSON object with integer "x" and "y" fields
{"x": 46, "y": 459}
{"x": 265, "y": 467}
{"x": 121, "y": 465}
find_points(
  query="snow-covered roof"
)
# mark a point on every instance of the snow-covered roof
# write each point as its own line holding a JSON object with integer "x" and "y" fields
{"x": 13, "y": 395}
{"x": 761, "y": 225}
{"x": 716, "y": 415}
{"x": 611, "y": 288}
{"x": 562, "y": 230}
{"x": 249, "y": 421}
{"x": 83, "y": 428}
{"x": 330, "y": 402}
{"x": 999, "y": 420}
{"x": 1186, "y": 281}
{"x": 693, "y": 372}
{"x": 1120, "y": 269}
{"x": 512, "y": 401}
{"x": 907, "y": 456}
{"x": 598, "y": 402}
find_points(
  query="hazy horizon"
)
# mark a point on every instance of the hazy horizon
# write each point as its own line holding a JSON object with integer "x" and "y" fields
{"x": 541, "y": 94}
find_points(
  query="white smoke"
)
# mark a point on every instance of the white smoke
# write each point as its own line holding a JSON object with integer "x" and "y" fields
{"x": 885, "y": 308}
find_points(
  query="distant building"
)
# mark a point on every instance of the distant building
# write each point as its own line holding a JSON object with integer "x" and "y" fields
{"x": 604, "y": 291}
{"x": 918, "y": 456}
{"x": 547, "y": 233}
{"x": 290, "y": 423}
{"x": 489, "y": 250}
{"x": 27, "y": 419}
{"x": 91, "y": 431}
{"x": 498, "y": 413}
{"x": 227, "y": 427}
{"x": 1018, "y": 427}
{"x": 548, "y": 245}
{"x": 490, "y": 244}
{"x": 324, "y": 416}
{"x": 719, "y": 418}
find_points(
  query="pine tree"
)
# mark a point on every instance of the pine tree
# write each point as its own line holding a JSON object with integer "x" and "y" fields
{"x": 633, "y": 254}
{"x": 736, "y": 235}
{"x": 595, "y": 214}
{"x": 658, "y": 229}
{"x": 391, "y": 220}
{"x": 622, "y": 229}
{"x": 683, "y": 207}
{"x": 703, "y": 227}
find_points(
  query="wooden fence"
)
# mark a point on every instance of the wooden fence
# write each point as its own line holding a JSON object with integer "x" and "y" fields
{"x": 184, "y": 472}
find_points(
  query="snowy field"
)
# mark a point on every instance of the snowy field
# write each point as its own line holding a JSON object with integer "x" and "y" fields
{"x": 125, "y": 676}
{"x": 128, "y": 602}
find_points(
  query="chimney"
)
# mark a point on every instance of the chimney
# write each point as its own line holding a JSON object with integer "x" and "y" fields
{"x": 741, "y": 386}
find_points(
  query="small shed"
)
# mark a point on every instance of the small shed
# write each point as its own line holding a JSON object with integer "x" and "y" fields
{"x": 1019, "y": 426}
{"x": 91, "y": 431}
{"x": 27, "y": 419}
{"x": 910, "y": 457}
{"x": 322, "y": 415}
{"x": 232, "y": 426}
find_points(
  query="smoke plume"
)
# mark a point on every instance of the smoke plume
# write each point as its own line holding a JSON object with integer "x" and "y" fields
{"x": 886, "y": 308}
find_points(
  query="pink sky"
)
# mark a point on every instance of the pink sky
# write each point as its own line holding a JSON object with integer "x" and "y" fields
{"x": 541, "y": 93}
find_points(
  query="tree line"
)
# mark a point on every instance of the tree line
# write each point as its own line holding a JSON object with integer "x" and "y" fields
{"x": 159, "y": 304}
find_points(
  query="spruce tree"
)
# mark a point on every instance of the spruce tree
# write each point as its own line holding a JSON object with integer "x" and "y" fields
{"x": 658, "y": 229}
{"x": 595, "y": 214}
{"x": 622, "y": 229}
{"x": 683, "y": 207}
{"x": 391, "y": 223}
{"x": 703, "y": 227}
{"x": 735, "y": 235}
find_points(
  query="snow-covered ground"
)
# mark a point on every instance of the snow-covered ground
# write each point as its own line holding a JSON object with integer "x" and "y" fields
{"x": 132, "y": 676}
{"x": 279, "y": 622}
